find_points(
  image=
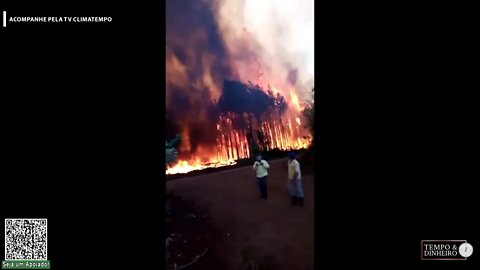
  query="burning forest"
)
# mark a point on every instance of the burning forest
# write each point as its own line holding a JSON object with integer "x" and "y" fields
{"x": 232, "y": 87}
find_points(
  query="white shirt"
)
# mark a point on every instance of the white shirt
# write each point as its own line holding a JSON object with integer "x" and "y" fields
{"x": 260, "y": 167}
{"x": 294, "y": 167}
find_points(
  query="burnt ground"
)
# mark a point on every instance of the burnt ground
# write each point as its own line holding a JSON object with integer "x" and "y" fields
{"x": 191, "y": 235}
{"x": 271, "y": 233}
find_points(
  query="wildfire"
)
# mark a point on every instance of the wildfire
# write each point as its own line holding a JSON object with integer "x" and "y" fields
{"x": 274, "y": 131}
{"x": 295, "y": 101}
{"x": 184, "y": 166}
{"x": 240, "y": 41}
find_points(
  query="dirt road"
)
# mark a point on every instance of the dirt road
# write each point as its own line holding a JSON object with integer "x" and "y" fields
{"x": 273, "y": 233}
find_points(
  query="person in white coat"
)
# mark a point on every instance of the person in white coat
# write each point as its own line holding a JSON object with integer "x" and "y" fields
{"x": 294, "y": 184}
{"x": 260, "y": 166}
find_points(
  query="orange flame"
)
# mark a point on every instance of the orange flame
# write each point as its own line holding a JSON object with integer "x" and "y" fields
{"x": 295, "y": 101}
{"x": 184, "y": 166}
{"x": 284, "y": 132}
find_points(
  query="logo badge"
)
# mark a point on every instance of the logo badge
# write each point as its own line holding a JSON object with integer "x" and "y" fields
{"x": 446, "y": 250}
{"x": 465, "y": 250}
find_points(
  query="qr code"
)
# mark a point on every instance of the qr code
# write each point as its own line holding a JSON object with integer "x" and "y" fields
{"x": 25, "y": 239}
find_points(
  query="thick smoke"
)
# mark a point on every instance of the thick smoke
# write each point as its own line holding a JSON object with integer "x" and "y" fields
{"x": 195, "y": 69}
{"x": 215, "y": 45}
{"x": 280, "y": 33}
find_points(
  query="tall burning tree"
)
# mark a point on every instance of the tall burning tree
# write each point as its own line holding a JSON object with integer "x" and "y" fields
{"x": 232, "y": 82}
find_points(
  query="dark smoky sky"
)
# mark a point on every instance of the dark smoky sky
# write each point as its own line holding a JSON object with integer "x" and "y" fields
{"x": 237, "y": 97}
{"x": 184, "y": 21}
{"x": 292, "y": 77}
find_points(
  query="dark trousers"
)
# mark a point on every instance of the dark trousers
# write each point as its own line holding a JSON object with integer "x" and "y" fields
{"x": 262, "y": 184}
